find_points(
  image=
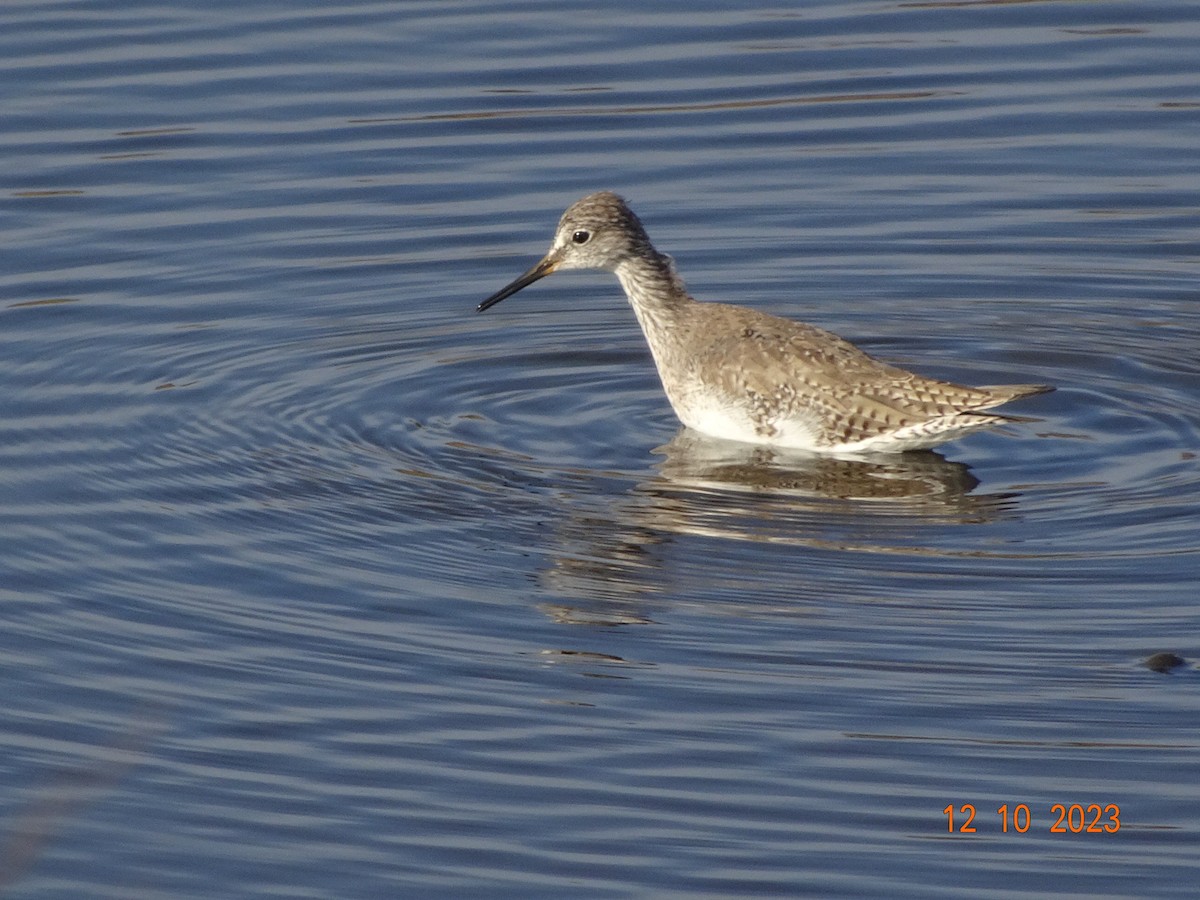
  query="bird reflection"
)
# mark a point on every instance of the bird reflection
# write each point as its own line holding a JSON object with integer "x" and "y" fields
{"x": 926, "y": 479}
{"x": 613, "y": 552}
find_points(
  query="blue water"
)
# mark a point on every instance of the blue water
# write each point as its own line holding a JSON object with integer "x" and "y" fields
{"x": 315, "y": 583}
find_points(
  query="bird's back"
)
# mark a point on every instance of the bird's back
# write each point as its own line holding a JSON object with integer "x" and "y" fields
{"x": 741, "y": 373}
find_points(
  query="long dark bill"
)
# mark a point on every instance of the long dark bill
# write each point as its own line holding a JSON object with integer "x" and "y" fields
{"x": 541, "y": 270}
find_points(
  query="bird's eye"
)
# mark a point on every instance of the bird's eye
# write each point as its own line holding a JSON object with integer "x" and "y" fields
{"x": 581, "y": 237}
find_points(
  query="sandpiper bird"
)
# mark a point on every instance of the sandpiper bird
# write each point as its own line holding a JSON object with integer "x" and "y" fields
{"x": 736, "y": 373}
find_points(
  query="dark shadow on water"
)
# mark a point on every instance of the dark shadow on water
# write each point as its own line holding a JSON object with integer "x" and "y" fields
{"x": 840, "y": 510}
{"x": 921, "y": 479}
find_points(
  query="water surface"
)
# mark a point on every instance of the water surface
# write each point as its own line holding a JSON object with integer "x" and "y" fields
{"x": 317, "y": 584}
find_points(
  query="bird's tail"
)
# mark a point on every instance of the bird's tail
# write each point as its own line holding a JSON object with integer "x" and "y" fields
{"x": 1005, "y": 393}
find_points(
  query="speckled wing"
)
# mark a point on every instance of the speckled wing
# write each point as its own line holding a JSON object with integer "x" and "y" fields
{"x": 796, "y": 371}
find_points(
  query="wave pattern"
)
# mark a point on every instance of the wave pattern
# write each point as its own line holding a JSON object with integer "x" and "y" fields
{"x": 316, "y": 583}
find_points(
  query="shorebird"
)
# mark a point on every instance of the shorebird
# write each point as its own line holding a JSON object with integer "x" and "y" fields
{"x": 736, "y": 373}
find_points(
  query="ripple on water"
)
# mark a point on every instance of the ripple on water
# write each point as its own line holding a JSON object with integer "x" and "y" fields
{"x": 434, "y": 602}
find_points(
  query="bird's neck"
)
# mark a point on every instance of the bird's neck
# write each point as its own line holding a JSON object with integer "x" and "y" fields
{"x": 655, "y": 290}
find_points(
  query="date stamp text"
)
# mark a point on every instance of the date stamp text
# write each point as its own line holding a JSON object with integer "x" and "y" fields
{"x": 1063, "y": 818}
